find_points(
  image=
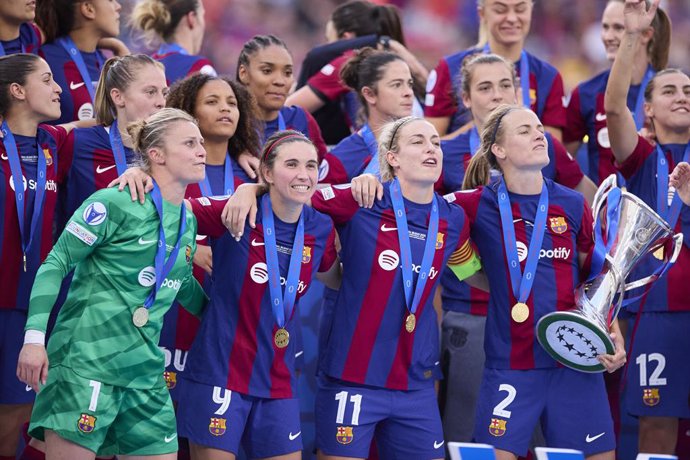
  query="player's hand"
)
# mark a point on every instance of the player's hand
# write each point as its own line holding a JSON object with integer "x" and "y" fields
{"x": 680, "y": 180}
{"x": 240, "y": 206}
{"x": 617, "y": 360}
{"x": 249, "y": 163}
{"x": 637, "y": 18}
{"x": 32, "y": 367}
{"x": 204, "y": 258}
{"x": 139, "y": 183}
{"x": 366, "y": 188}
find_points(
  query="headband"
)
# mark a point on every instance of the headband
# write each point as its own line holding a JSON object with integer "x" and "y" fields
{"x": 280, "y": 141}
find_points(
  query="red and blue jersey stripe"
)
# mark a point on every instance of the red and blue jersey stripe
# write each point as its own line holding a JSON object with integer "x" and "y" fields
{"x": 179, "y": 65}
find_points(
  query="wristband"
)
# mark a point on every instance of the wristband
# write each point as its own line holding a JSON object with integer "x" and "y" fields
{"x": 34, "y": 337}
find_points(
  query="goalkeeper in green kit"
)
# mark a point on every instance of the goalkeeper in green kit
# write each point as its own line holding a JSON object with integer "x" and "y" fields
{"x": 101, "y": 380}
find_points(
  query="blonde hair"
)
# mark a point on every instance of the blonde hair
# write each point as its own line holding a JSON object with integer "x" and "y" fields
{"x": 481, "y": 164}
{"x": 151, "y": 132}
{"x": 118, "y": 72}
{"x": 390, "y": 134}
{"x": 158, "y": 19}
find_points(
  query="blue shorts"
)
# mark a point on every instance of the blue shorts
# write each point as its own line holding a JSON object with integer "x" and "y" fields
{"x": 175, "y": 361}
{"x": 406, "y": 424}
{"x": 573, "y": 408}
{"x": 222, "y": 419}
{"x": 658, "y": 372}
{"x": 12, "y": 391}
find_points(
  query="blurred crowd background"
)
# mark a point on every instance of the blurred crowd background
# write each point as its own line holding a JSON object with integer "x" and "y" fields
{"x": 564, "y": 32}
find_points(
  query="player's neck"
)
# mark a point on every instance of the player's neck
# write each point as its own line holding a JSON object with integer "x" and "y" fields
{"x": 22, "y": 123}
{"x": 183, "y": 37}
{"x": 671, "y": 136}
{"x": 85, "y": 38}
{"x": 8, "y": 30}
{"x": 377, "y": 120}
{"x": 267, "y": 115}
{"x": 172, "y": 190}
{"x": 122, "y": 122}
{"x": 284, "y": 210}
{"x": 216, "y": 151}
{"x": 522, "y": 182}
{"x": 511, "y": 52}
{"x": 421, "y": 193}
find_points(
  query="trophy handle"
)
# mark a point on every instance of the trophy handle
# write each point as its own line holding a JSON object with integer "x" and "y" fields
{"x": 670, "y": 260}
{"x": 602, "y": 193}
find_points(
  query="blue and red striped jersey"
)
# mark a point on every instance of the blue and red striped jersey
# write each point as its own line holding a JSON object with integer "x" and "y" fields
{"x": 75, "y": 101}
{"x": 15, "y": 284}
{"x": 88, "y": 157}
{"x": 179, "y": 65}
{"x": 586, "y": 116}
{"x": 366, "y": 341}
{"x": 300, "y": 120}
{"x": 28, "y": 41}
{"x": 511, "y": 345}
{"x": 639, "y": 170}
{"x": 444, "y": 84}
{"x": 345, "y": 161}
{"x": 234, "y": 348}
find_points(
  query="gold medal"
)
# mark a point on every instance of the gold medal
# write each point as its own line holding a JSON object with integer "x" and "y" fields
{"x": 519, "y": 312}
{"x": 410, "y": 323}
{"x": 281, "y": 338}
{"x": 659, "y": 253}
{"x": 140, "y": 317}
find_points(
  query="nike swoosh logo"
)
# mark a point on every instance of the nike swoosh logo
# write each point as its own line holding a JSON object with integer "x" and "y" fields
{"x": 142, "y": 241}
{"x": 101, "y": 170}
{"x": 299, "y": 353}
{"x": 73, "y": 85}
{"x": 594, "y": 438}
{"x": 170, "y": 438}
{"x": 4, "y": 157}
{"x": 388, "y": 229}
{"x": 600, "y": 117}
{"x": 256, "y": 243}
{"x": 438, "y": 444}
{"x": 200, "y": 237}
{"x": 294, "y": 436}
{"x": 28, "y": 388}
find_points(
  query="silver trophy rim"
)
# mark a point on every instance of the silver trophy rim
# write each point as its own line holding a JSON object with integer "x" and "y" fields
{"x": 546, "y": 320}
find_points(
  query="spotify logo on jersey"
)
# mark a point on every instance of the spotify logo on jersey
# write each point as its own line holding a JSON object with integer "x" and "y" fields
{"x": 259, "y": 273}
{"x": 147, "y": 277}
{"x": 388, "y": 259}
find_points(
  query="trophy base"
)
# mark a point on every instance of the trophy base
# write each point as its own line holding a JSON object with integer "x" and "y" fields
{"x": 574, "y": 341}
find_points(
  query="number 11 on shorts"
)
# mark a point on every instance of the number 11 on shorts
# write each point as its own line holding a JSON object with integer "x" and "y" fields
{"x": 356, "y": 400}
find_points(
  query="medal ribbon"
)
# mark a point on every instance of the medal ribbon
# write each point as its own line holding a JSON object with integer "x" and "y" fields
{"x": 474, "y": 141}
{"x": 118, "y": 148}
{"x": 601, "y": 248}
{"x": 638, "y": 114}
{"x": 162, "y": 267}
{"x": 668, "y": 213}
{"x": 69, "y": 46}
{"x": 522, "y": 283}
{"x": 228, "y": 180}
{"x": 406, "y": 251}
{"x": 167, "y": 48}
{"x": 281, "y": 304}
{"x": 20, "y": 193}
{"x": 369, "y": 139}
{"x": 524, "y": 76}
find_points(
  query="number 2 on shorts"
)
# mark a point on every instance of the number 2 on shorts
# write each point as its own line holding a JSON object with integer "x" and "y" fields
{"x": 500, "y": 409}
{"x": 342, "y": 402}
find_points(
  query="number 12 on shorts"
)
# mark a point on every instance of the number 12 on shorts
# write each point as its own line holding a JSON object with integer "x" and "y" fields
{"x": 655, "y": 379}
{"x": 342, "y": 399}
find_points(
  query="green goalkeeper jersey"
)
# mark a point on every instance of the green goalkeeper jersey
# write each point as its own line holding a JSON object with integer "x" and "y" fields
{"x": 112, "y": 242}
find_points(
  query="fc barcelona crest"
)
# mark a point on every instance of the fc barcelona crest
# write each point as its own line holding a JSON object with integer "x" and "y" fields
{"x": 306, "y": 255}
{"x": 650, "y": 396}
{"x": 86, "y": 423}
{"x": 49, "y": 157}
{"x": 497, "y": 427}
{"x": 188, "y": 253}
{"x": 558, "y": 224}
{"x": 217, "y": 426}
{"x": 344, "y": 434}
{"x": 439, "y": 240}
{"x": 170, "y": 379}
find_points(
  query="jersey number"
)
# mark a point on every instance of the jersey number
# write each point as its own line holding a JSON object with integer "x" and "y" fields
{"x": 500, "y": 409}
{"x": 95, "y": 391}
{"x": 223, "y": 400}
{"x": 654, "y": 379}
{"x": 342, "y": 402}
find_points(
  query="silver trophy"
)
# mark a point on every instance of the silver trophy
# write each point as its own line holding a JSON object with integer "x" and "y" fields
{"x": 576, "y": 337}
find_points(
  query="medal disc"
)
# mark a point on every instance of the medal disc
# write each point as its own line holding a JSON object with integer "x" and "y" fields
{"x": 520, "y": 312}
{"x": 410, "y": 323}
{"x": 659, "y": 253}
{"x": 281, "y": 338}
{"x": 140, "y": 317}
